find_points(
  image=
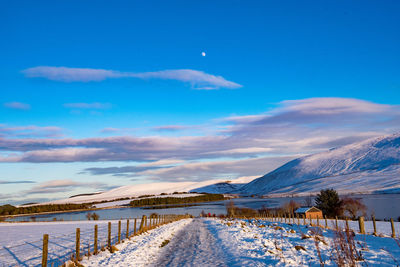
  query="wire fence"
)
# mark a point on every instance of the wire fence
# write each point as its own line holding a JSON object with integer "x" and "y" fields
{"x": 59, "y": 249}
{"x": 378, "y": 228}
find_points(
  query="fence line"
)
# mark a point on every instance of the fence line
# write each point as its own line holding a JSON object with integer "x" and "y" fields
{"x": 55, "y": 250}
{"x": 360, "y": 226}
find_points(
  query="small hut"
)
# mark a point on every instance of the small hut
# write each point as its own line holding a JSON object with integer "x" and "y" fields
{"x": 309, "y": 212}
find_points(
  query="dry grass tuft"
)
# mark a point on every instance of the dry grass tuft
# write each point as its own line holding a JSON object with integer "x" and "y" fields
{"x": 300, "y": 248}
{"x": 164, "y": 243}
{"x": 113, "y": 249}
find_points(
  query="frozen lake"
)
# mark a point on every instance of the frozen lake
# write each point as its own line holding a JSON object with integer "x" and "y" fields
{"x": 383, "y": 206}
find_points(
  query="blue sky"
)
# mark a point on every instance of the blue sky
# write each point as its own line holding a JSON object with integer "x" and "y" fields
{"x": 90, "y": 86}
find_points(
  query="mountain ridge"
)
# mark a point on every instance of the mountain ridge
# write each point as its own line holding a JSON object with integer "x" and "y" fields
{"x": 362, "y": 159}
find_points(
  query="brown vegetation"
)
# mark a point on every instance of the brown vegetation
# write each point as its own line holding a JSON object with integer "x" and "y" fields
{"x": 353, "y": 207}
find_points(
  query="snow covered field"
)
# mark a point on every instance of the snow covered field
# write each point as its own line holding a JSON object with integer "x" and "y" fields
{"x": 195, "y": 242}
{"x": 252, "y": 244}
{"x": 21, "y": 243}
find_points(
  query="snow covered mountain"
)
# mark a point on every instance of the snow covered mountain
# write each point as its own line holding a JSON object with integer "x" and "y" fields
{"x": 369, "y": 166}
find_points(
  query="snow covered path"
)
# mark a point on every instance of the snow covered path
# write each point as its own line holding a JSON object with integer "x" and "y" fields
{"x": 141, "y": 250}
{"x": 194, "y": 245}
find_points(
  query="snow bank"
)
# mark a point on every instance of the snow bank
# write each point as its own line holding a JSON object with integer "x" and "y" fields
{"x": 273, "y": 244}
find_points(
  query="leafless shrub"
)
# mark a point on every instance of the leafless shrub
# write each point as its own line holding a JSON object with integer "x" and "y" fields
{"x": 233, "y": 211}
{"x": 290, "y": 207}
{"x": 316, "y": 234}
{"x": 344, "y": 249}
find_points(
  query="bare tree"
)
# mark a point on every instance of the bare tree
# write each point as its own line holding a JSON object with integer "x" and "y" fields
{"x": 89, "y": 215}
{"x": 290, "y": 207}
{"x": 308, "y": 201}
{"x": 353, "y": 207}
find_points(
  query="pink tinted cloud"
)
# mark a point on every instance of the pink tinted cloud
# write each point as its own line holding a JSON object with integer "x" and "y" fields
{"x": 198, "y": 79}
{"x": 303, "y": 126}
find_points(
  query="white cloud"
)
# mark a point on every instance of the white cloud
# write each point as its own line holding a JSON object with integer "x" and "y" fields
{"x": 57, "y": 186}
{"x": 333, "y": 105}
{"x": 17, "y": 105}
{"x": 95, "y": 105}
{"x": 197, "y": 79}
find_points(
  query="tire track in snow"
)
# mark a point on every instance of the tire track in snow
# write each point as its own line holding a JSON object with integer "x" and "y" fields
{"x": 193, "y": 245}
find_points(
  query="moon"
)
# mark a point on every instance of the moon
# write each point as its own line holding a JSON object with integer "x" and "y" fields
{"x": 203, "y": 54}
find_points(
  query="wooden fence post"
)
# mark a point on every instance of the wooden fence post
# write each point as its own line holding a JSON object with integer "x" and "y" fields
{"x": 95, "y": 239}
{"x": 142, "y": 223}
{"x": 78, "y": 243}
{"x": 393, "y": 231}
{"x": 336, "y": 222}
{"x": 317, "y": 220}
{"x": 304, "y": 219}
{"x": 134, "y": 227}
{"x": 119, "y": 232}
{"x": 45, "y": 250}
{"x": 374, "y": 223}
{"x": 347, "y": 224}
{"x": 109, "y": 235}
{"x": 361, "y": 225}
{"x": 326, "y": 222}
{"x": 127, "y": 228}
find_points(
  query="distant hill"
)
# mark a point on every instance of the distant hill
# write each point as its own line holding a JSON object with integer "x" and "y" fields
{"x": 210, "y": 186}
{"x": 369, "y": 166}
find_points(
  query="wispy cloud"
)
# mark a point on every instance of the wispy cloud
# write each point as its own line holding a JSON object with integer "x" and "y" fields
{"x": 17, "y": 105}
{"x": 129, "y": 170}
{"x": 56, "y": 186}
{"x": 293, "y": 127}
{"x": 16, "y": 182}
{"x": 191, "y": 171}
{"x": 170, "y": 128}
{"x": 109, "y": 130}
{"x": 95, "y": 105}
{"x": 197, "y": 79}
{"x": 29, "y": 131}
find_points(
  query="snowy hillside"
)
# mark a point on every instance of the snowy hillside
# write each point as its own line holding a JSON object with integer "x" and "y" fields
{"x": 210, "y": 186}
{"x": 368, "y": 166}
